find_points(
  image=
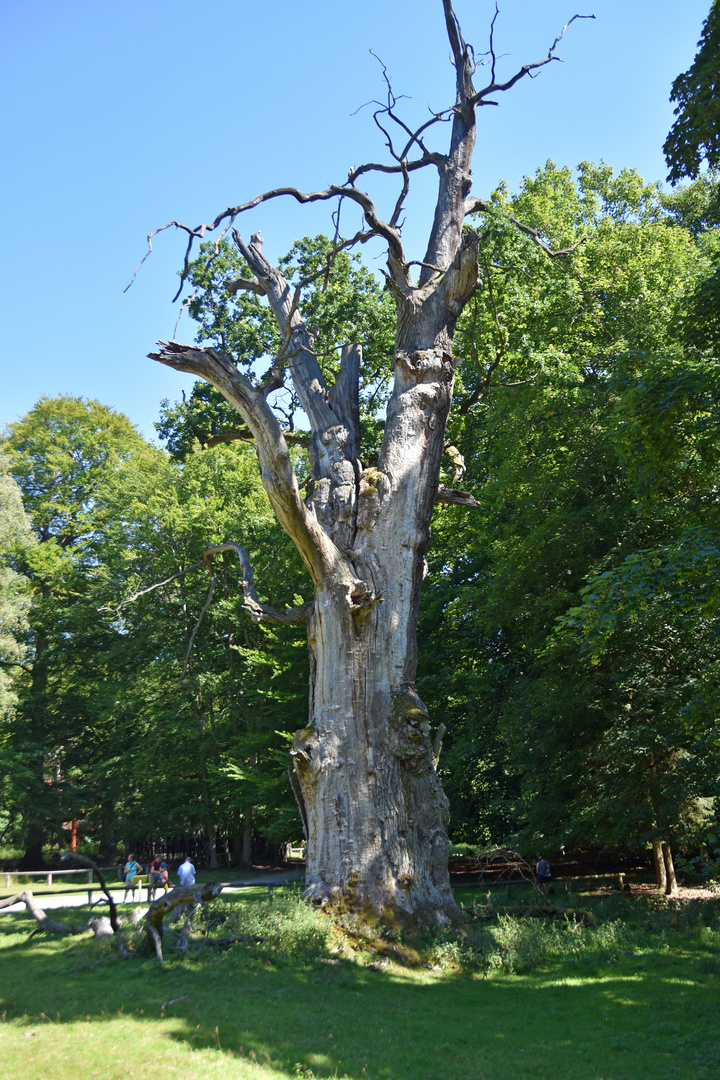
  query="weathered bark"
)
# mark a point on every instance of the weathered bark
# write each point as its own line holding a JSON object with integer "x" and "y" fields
{"x": 364, "y": 766}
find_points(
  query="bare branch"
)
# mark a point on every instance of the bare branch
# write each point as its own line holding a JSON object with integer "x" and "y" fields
{"x": 335, "y": 191}
{"x": 181, "y": 894}
{"x": 452, "y": 496}
{"x": 245, "y": 283}
{"x": 151, "y": 588}
{"x": 201, "y": 616}
{"x": 410, "y": 166}
{"x": 527, "y": 69}
{"x": 280, "y": 480}
{"x": 257, "y": 611}
{"x": 297, "y": 438}
{"x": 44, "y": 923}
{"x": 85, "y": 860}
{"x": 482, "y": 206}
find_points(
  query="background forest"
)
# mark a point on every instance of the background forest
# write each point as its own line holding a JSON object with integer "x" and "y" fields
{"x": 570, "y": 620}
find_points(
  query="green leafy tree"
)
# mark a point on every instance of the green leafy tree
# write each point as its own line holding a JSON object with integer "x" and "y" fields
{"x": 15, "y": 538}
{"x": 695, "y": 135}
{"x": 65, "y": 456}
{"x": 589, "y": 438}
{"x": 211, "y": 690}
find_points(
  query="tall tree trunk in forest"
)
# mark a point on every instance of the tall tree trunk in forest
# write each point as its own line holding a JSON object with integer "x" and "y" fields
{"x": 671, "y": 887}
{"x": 245, "y": 847}
{"x": 374, "y": 809}
{"x": 658, "y": 860}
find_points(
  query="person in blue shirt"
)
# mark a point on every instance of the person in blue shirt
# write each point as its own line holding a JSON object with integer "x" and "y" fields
{"x": 132, "y": 869}
{"x": 542, "y": 872}
{"x": 186, "y": 872}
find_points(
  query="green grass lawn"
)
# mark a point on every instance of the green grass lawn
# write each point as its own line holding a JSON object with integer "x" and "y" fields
{"x": 636, "y": 996}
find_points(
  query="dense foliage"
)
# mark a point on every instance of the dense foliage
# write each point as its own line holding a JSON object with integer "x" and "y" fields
{"x": 574, "y": 616}
{"x": 569, "y": 627}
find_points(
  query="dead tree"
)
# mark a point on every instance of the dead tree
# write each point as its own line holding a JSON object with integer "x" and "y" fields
{"x": 374, "y": 809}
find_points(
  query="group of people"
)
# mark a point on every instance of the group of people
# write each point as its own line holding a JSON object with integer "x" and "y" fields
{"x": 158, "y": 876}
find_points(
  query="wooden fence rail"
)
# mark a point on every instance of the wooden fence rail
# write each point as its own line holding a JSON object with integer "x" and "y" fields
{"x": 50, "y": 874}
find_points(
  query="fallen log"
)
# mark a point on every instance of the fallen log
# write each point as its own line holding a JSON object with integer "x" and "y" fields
{"x": 38, "y": 914}
{"x": 182, "y": 894}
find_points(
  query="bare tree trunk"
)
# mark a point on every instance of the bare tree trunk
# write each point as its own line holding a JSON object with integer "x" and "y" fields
{"x": 247, "y": 834}
{"x": 671, "y": 885}
{"x": 660, "y": 871}
{"x": 211, "y": 830}
{"x": 377, "y": 815}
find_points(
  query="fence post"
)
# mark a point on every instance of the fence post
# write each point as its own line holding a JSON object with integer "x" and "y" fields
{"x": 49, "y": 880}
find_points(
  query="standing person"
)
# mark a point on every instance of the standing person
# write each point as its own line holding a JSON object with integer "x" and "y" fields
{"x": 186, "y": 872}
{"x": 132, "y": 868}
{"x": 542, "y": 873}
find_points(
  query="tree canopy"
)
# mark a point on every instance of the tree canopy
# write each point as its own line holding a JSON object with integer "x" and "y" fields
{"x": 695, "y": 136}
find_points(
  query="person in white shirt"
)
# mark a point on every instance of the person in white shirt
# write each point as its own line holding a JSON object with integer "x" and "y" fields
{"x": 186, "y": 872}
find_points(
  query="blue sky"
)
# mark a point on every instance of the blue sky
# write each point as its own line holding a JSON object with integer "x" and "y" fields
{"x": 119, "y": 117}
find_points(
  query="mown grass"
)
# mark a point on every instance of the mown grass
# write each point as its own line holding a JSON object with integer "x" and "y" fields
{"x": 634, "y": 996}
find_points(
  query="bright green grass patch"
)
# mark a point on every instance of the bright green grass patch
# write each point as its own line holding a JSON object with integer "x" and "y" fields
{"x": 634, "y": 997}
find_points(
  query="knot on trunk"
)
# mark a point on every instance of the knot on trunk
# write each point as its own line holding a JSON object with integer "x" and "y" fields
{"x": 362, "y": 598}
{"x": 426, "y": 364}
{"x": 303, "y": 753}
{"x": 374, "y": 487}
{"x": 410, "y": 725}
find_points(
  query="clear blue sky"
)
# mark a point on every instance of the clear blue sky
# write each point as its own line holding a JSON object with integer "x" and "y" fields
{"x": 119, "y": 117}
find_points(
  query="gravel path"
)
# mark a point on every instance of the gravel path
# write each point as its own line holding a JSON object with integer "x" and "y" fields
{"x": 50, "y": 901}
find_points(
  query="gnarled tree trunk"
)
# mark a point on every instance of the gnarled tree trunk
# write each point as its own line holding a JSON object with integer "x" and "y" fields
{"x": 364, "y": 769}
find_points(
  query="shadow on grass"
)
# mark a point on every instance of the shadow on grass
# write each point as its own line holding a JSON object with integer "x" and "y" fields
{"x": 639, "y": 1013}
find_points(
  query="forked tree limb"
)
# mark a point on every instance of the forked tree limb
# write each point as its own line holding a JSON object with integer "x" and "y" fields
{"x": 252, "y": 604}
{"x": 182, "y": 894}
{"x": 314, "y": 545}
{"x": 494, "y": 87}
{"x": 462, "y": 114}
{"x": 257, "y": 611}
{"x": 335, "y": 191}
